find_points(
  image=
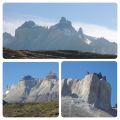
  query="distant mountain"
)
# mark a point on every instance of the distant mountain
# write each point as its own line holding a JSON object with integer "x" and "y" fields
{"x": 33, "y": 90}
{"x": 61, "y": 36}
{"x": 7, "y": 39}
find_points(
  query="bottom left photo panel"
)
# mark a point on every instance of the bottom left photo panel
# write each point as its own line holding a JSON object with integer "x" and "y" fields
{"x": 30, "y": 89}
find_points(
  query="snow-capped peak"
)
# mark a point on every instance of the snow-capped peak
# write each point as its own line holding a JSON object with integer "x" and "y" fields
{"x": 6, "y": 92}
{"x": 87, "y": 41}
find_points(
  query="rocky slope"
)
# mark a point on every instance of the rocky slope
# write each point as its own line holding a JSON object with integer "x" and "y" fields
{"x": 90, "y": 96}
{"x": 61, "y": 36}
{"x": 33, "y": 90}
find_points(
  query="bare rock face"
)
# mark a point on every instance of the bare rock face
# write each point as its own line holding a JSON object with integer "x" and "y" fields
{"x": 98, "y": 92}
{"x": 33, "y": 90}
{"x": 93, "y": 89}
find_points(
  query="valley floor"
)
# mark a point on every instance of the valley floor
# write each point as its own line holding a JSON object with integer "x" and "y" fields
{"x": 48, "y": 109}
{"x": 59, "y": 54}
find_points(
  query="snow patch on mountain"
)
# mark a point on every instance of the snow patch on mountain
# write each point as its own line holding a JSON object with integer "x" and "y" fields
{"x": 7, "y": 91}
{"x": 87, "y": 41}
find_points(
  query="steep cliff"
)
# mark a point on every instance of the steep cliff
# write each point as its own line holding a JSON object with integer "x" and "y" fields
{"x": 33, "y": 90}
{"x": 93, "y": 90}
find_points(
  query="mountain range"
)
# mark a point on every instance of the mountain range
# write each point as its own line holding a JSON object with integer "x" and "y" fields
{"x": 61, "y": 36}
{"x": 32, "y": 90}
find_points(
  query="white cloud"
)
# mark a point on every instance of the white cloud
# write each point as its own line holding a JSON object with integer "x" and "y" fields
{"x": 11, "y": 25}
{"x": 97, "y": 31}
{"x": 89, "y": 29}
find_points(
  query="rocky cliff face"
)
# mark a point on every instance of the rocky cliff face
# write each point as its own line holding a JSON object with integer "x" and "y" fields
{"x": 93, "y": 89}
{"x": 33, "y": 90}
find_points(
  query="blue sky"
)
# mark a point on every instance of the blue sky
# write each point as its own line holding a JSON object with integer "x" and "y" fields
{"x": 14, "y": 71}
{"x": 101, "y": 14}
{"x": 79, "y": 70}
{"x": 82, "y": 14}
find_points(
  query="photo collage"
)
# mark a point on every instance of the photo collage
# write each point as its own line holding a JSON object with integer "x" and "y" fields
{"x": 59, "y": 60}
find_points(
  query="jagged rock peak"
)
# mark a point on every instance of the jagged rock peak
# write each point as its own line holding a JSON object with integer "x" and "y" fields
{"x": 7, "y": 34}
{"x": 51, "y": 75}
{"x": 28, "y": 24}
{"x": 27, "y": 77}
{"x": 80, "y": 31}
{"x": 64, "y": 22}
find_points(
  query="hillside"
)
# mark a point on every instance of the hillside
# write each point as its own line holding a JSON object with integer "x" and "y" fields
{"x": 56, "y": 54}
{"x": 48, "y": 109}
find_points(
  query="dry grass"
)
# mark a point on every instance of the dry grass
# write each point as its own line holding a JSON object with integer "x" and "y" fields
{"x": 59, "y": 54}
{"x": 48, "y": 109}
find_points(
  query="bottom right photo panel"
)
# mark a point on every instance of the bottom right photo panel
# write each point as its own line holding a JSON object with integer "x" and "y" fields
{"x": 89, "y": 89}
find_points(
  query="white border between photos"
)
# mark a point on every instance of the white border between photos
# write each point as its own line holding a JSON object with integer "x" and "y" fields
{"x": 59, "y": 60}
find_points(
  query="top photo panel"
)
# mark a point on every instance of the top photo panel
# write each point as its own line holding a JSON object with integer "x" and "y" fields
{"x": 59, "y": 30}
